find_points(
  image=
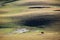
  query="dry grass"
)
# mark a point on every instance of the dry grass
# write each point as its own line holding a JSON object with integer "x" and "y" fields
{"x": 22, "y": 11}
{"x": 31, "y": 36}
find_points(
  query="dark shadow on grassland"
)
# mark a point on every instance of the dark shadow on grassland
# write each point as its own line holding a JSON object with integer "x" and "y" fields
{"x": 38, "y": 21}
{"x": 33, "y": 7}
{"x": 32, "y": 20}
{"x": 56, "y": 10}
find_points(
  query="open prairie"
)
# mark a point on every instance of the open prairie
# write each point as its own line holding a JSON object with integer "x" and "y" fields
{"x": 33, "y": 35}
{"x": 35, "y": 15}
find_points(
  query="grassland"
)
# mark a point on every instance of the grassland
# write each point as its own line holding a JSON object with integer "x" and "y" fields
{"x": 5, "y": 30}
{"x": 33, "y": 35}
{"x": 12, "y": 9}
{"x": 11, "y": 13}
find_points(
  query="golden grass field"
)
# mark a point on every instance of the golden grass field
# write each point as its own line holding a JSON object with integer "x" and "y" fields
{"x": 31, "y": 36}
{"x": 13, "y": 10}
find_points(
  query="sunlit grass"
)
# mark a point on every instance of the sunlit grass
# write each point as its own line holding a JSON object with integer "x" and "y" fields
{"x": 10, "y": 10}
{"x": 13, "y": 9}
{"x": 6, "y": 30}
{"x": 33, "y": 35}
